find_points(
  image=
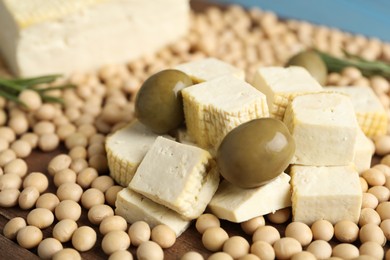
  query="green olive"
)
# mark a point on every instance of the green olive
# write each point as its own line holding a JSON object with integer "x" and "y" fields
{"x": 313, "y": 63}
{"x": 255, "y": 152}
{"x": 159, "y": 103}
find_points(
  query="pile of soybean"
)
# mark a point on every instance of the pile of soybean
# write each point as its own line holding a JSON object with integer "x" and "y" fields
{"x": 103, "y": 102}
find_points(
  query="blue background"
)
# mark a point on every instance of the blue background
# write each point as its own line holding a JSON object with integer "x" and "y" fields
{"x": 370, "y": 18}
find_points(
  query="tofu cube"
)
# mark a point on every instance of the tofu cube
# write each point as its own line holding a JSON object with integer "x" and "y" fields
{"x": 238, "y": 205}
{"x": 135, "y": 207}
{"x": 330, "y": 193}
{"x": 213, "y": 108}
{"x": 122, "y": 158}
{"x": 179, "y": 176}
{"x": 324, "y": 128}
{"x": 281, "y": 85}
{"x": 364, "y": 150}
{"x": 51, "y": 36}
{"x": 370, "y": 113}
{"x": 208, "y": 69}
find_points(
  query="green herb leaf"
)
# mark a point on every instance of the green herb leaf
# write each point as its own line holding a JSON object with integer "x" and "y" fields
{"x": 37, "y": 80}
{"x": 368, "y": 68}
{"x": 11, "y": 88}
{"x": 11, "y": 97}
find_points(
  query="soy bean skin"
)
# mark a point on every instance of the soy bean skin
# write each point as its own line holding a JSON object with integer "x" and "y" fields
{"x": 163, "y": 235}
{"x": 48, "y": 201}
{"x": 97, "y": 213}
{"x": 346, "y": 231}
{"x": 112, "y": 223}
{"x": 67, "y": 253}
{"x": 205, "y": 221}
{"x": 150, "y": 250}
{"x": 250, "y": 226}
{"x": 68, "y": 209}
{"x": 236, "y": 246}
{"x": 286, "y": 247}
{"x": 9, "y": 198}
{"x": 84, "y": 238}
{"x": 111, "y": 194}
{"x": 213, "y": 238}
{"x": 28, "y": 197}
{"x": 40, "y": 217}
{"x": 29, "y": 237}
{"x": 322, "y": 230}
{"x": 139, "y": 232}
{"x": 48, "y": 247}
{"x": 10, "y": 181}
{"x": 115, "y": 241}
{"x": 263, "y": 250}
{"x": 300, "y": 231}
{"x": 64, "y": 230}
{"x": 280, "y": 216}
{"x": 36, "y": 179}
{"x": 267, "y": 233}
{"x": 69, "y": 191}
{"x": 92, "y": 197}
{"x": 121, "y": 255}
{"x": 12, "y": 227}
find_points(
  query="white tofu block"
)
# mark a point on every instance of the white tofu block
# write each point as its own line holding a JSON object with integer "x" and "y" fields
{"x": 370, "y": 113}
{"x": 238, "y": 205}
{"x": 54, "y": 36}
{"x": 213, "y": 108}
{"x": 125, "y": 150}
{"x": 281, "y": 85}
{"x": 364, "y": 150}
{"x": 324, "y": 128}
{"x": 330, "y": 193}
{"x": 208, "y": 69}
{"x": 135, "y": 207}
{"x": 179, "y": 176}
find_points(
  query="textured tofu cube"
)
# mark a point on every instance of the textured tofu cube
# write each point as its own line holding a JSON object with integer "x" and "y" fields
{"x": 364, "y": 150}
{"x": 370, "y": 112}
{"x": 53, "y": 36}
{"x": 179, "y": 176}
{"x": 135, "y": 207}
{"x": 280, "y": 85}
{"x": 123, "y": 158}
{"x": 238, "y": 205}
{"x": 324, "y": 128}
{"x": 213, "y": 108}
{"x": 208, "y": 69}
{"x": 331, "y": 193}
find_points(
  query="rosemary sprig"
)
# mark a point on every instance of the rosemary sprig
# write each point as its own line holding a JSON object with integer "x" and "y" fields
{"x": 11, "y": 88}
{"x": 368, "y": 68}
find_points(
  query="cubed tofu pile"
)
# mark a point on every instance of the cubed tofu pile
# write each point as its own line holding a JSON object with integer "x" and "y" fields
{"x": 173, "y": 181}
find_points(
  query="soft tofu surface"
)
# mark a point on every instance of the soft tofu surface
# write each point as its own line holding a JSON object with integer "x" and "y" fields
{"x": 364, "y": 150}
{"x": 370, "y": 112}
{"x": 208, "y": 69}
{"x": 330, "y": 193}
{"x": 125, "y": 150}
{"x": 215, "y": 107}
{"x": 324, "y": 128}
{"x": 281, "y": 84}
{"x": 135, "y": 207}
{"x": 52, "y": 36}
{"x": 238, "y": 205}
{"x": 179, "y": 176}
